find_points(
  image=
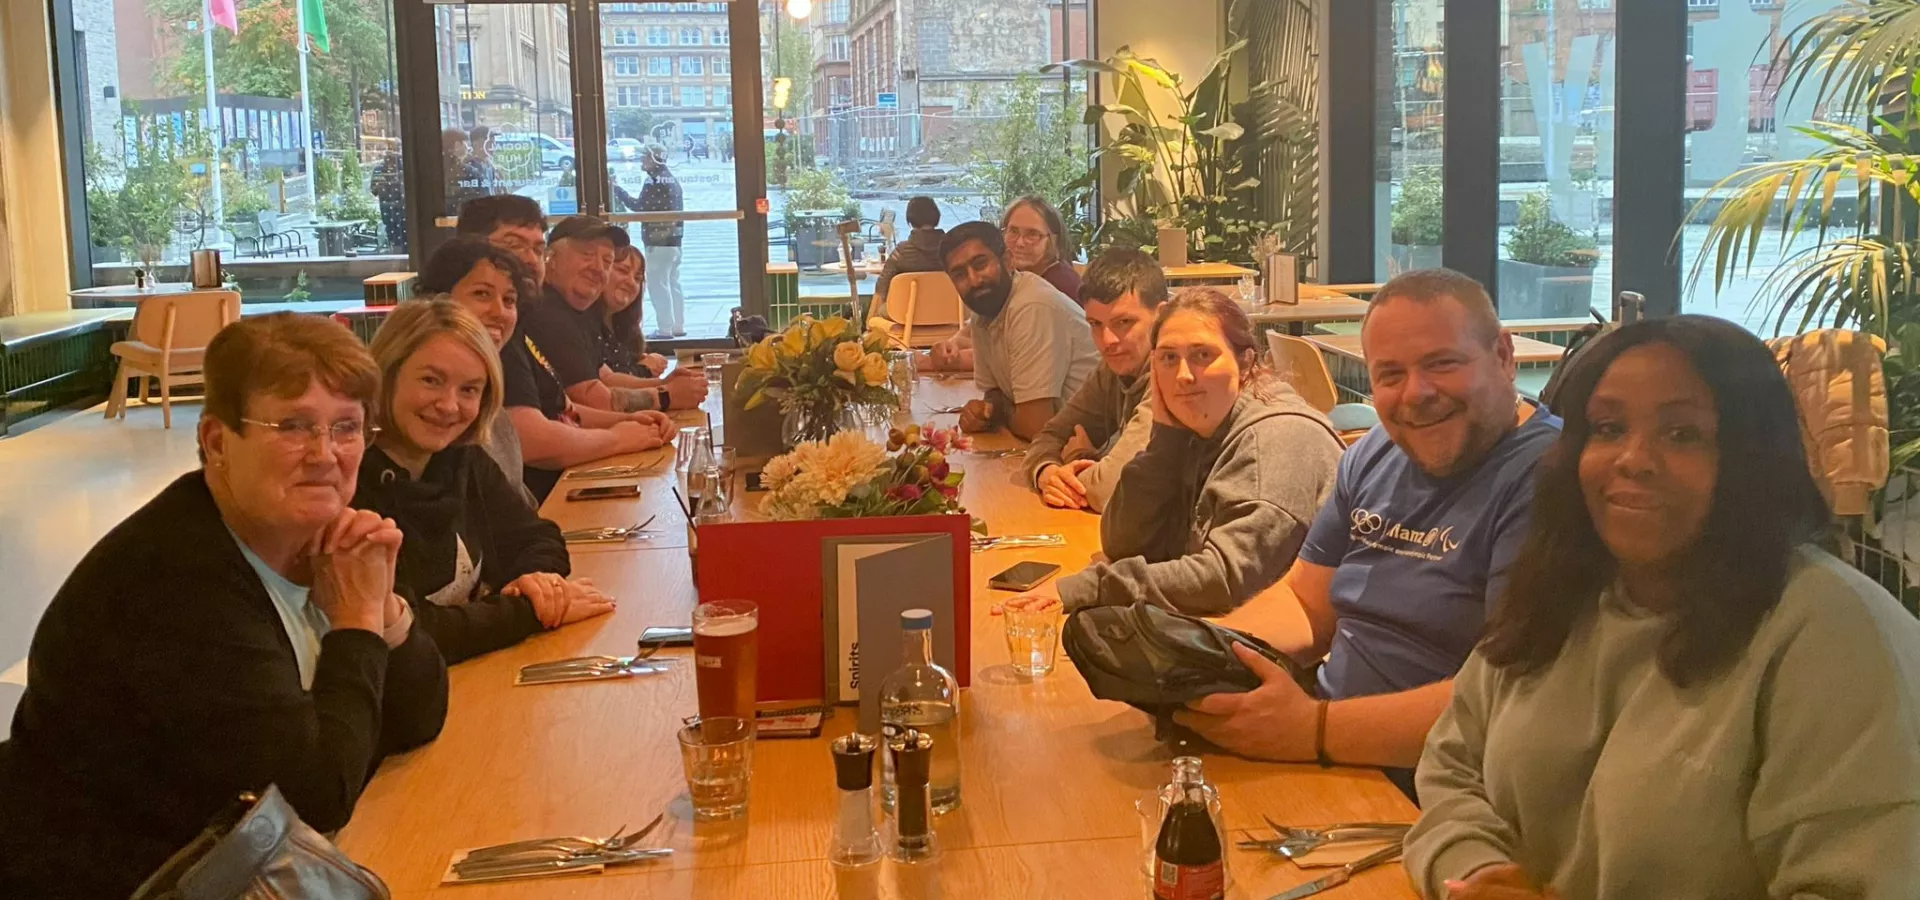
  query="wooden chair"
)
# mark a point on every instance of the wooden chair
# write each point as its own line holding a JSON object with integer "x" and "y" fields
{"x": 922, "y": 309}
{"x": 169, "y": 341}
{"x": 1298, "y": 362}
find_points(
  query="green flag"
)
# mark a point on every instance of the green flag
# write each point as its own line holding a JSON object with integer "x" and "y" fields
{"x": 316, "y": 22}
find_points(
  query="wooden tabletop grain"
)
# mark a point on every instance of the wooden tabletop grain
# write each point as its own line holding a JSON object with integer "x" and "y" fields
{"x": 1049, "y": 774}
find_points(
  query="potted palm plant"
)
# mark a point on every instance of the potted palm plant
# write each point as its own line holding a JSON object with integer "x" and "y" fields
{"x": 1856, "y": 195}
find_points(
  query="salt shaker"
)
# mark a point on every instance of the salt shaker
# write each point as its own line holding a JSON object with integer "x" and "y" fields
{"x": 913, "y": 820}
{"x": 855, "y": 841}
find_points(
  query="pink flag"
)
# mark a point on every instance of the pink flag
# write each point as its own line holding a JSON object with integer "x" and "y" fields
{"x": 223, "y": 13}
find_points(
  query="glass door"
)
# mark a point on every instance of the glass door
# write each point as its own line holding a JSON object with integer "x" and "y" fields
{"x": 621, "y": 110}
{"x": 671, "y": 175}
{"x": 506, "y": 92}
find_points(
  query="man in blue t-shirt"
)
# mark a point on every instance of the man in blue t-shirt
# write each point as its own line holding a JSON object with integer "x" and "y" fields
{"x": 1402, "y": 563}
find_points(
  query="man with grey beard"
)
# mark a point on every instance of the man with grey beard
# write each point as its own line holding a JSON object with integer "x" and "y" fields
{"x": 1404, "y": 561}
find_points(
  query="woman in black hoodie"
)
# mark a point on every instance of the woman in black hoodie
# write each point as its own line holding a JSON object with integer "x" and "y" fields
{"x": 483, "y": 569}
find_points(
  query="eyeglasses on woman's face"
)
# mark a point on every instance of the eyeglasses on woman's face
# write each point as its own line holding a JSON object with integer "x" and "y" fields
{"x": 299, "y": 433}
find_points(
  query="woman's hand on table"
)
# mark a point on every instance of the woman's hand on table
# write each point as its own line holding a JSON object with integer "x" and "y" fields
{"x": 687, "y": 388}
{"x": 1500, "y": 881}
{"x": 558, "y": 601}
{"x": 656, "y": 364}
{"x": 353, "y": 561}
{"x": 635, "y": 436}
{"x": 1060, "y": 485}
{"x": 1041, "y": 599}
{"x": 1274, "y": 721}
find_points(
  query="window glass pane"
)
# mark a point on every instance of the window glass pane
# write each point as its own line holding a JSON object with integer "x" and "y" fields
{"x": 301, "y": 193}
{"x": 1556, "y": 159}
{"x": 1737, "y": 116}
{"x": 1411, "y": 136}
{"x": 512, "y": 131}
{"x": 670, "y": 150}
{"x": 884, "y": 101}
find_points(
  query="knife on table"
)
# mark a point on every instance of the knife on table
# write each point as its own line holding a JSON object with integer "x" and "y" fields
{"x": 1341, "y": 875}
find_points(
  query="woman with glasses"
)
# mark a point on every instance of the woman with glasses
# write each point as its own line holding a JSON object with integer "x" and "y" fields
{"x": 241, "y": 629}
{"x": 483, "y": 570}
{"x": 1216, "y": 506}
{"x": 1037, "y": 243}
{"x": 1682, "y": 693}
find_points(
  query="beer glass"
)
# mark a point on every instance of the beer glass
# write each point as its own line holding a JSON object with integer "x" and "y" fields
{"x": 726, "y": 652}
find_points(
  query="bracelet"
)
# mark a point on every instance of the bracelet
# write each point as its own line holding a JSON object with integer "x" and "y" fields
{"x": 1320, "y": 736}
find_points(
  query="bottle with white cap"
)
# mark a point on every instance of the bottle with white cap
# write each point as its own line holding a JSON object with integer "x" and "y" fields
{"x": 924, "y": 697}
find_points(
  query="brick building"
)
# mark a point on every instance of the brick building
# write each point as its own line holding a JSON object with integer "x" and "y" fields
{"x": 672, "y": 60}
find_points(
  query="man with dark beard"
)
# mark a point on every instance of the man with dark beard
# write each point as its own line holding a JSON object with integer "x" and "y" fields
{"x": 1031, "y": 347}
{"x": 1403, "y": 562}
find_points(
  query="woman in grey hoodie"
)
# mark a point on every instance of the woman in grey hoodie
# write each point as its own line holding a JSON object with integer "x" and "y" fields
{"x": 1217, "y": 505}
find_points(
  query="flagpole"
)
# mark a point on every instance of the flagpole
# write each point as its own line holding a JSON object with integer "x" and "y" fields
{"x": 214, "y": 124}
{"x": 306, "y": 109}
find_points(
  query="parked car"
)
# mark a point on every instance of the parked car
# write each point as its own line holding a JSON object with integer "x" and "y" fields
{"x": 553, "y": 153}
{"x": 624, "y": 149}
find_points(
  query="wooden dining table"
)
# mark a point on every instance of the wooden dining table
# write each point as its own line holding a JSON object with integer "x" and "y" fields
{"x": 1049, "y": 775}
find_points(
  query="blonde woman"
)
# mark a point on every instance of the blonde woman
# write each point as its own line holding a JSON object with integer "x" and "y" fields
{"x": 482, "y": 570}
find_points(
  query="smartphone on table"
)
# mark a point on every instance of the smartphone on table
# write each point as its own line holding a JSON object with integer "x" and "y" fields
{"x": 1023, "y": 576}
{"x": 605, "y": 492}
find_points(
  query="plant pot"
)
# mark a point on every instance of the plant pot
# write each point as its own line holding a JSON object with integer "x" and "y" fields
{"x": 815, "y": 243}
{"x": 1529, "y": 291}
{"x": 1407, "y": 257}
{"x": 1173, "y": 247}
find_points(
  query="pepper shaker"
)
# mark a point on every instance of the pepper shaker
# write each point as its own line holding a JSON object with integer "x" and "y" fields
{"x": 913, "y": 823}
{"x": 855, "y": 840}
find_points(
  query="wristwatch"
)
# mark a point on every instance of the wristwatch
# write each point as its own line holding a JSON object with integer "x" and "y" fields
{"x": 666, "y": 399}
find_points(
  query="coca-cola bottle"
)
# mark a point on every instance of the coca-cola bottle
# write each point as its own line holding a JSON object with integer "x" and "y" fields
{"x": 1187, "y": 860}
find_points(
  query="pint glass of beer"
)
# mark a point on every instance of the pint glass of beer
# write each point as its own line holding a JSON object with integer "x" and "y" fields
{"x": 726, "y": 656}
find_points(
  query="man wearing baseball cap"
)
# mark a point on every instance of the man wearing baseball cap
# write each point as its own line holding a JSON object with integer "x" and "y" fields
{"x": 559, "y": 328}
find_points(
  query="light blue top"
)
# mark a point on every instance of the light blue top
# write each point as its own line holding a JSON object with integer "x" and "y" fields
{"x": 304, "y": 622}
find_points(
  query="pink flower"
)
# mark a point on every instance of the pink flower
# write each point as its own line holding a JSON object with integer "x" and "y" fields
{"x": 908, "y": 493}
{"x": 939, "y": 471}
{"x": 939, "y": 439}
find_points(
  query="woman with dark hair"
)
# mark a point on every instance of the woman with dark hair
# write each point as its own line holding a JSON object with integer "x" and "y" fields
{"x": 1037, "y": 243}
{"x": 488, "y": 282}
{"x": 625, "y": 364}
{"x": 1237, "y": 464}
{"x": 1681, "y": 694}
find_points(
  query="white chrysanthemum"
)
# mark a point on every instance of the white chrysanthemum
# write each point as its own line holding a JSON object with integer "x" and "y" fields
{"x": 817, "y": 475}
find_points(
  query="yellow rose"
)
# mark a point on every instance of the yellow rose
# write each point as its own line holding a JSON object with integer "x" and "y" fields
{"x": 761, "y": 356}
{"x": 794, "y": 343}
{"x": 874, "y": 368}
{"x": 877, "y": 338}
{"x": 847, "y": 356}
{"x": 829, "y": 328}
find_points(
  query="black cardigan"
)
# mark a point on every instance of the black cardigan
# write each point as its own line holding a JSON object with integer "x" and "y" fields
{"x": 463, "y": 492}
{"x": 161, "y": 684}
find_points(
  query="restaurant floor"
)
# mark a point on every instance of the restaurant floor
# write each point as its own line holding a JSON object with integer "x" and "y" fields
{"x": 63, "y": 485}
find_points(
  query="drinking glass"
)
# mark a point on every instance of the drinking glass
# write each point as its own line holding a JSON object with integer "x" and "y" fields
{"x": 715, "y": 364}
{"x": 692, "y": 437}
{"x": 1033, "y": 639}
{"x": 717, "y": 754}
{"x": 726, "y": 653}
{"x": 901, "y": 369}
{"x": 1250, "y": 292}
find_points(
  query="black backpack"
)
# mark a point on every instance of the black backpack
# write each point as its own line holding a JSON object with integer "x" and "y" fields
{"x": 1157, "y": 660}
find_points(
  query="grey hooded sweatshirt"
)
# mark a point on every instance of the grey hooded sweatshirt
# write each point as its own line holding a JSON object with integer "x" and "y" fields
{"x": 1200, "y": 525}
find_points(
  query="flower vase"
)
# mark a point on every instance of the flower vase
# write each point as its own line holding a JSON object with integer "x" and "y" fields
{"x": 802, "y": 425}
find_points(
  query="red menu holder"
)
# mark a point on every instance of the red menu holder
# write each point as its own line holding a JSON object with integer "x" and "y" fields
{"x": 778, "y": 566}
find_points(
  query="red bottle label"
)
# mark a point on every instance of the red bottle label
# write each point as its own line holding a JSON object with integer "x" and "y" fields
{"x": 1172, "y": 881}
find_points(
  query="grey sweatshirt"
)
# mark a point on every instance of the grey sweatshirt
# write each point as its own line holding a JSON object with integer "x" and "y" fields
{"x": 1103, "y": 406}
{"x": 1201, "y": 525}
{"x": 1793, "y": 774}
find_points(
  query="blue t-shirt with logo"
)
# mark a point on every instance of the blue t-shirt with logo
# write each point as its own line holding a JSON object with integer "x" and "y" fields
{"x": 1418, "y": 559}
